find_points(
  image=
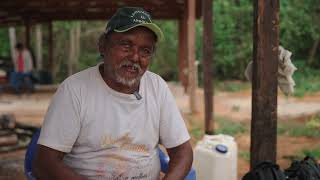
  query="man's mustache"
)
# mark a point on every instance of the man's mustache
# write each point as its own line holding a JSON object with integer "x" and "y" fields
{"x": 129, "y": 63}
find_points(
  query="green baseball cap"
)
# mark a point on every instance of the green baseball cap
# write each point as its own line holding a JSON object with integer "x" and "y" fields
{"x": 127, "y": 18}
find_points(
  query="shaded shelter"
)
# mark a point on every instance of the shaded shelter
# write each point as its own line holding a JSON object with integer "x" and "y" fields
{"x": 266, "y": 41}
{"x": 27, "y": 13}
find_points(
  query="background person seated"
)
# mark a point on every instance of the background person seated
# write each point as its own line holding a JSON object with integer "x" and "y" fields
{"x": 23, "y": 66}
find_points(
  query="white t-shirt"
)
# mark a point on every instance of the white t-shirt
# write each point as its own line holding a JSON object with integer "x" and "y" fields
{"x": 111, "y": 135}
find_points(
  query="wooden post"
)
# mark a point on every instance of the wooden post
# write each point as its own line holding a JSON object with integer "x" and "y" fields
{"x": 50, "y": 51}
{"x": 264, "y": 93}
{"x": 183, "y": 63}
{"x": 191, "y": 56}
{"x": 12, "y": 37}
{"x": 39, "y": 47}
{"x": 71, "y": 51}
{"x": 28, "y": 34}
{"x": 74, "y": 51}
{"x": 78, "y": 45}
{"x": 207, "y": 67}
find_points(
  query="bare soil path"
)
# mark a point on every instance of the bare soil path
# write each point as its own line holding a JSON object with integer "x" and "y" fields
{"x": 30, "y": 109}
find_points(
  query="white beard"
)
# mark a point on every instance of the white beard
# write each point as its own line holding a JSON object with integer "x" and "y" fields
{"x": 127, "y": 82}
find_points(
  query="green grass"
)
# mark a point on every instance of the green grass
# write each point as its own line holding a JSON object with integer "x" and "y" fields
{"x": 304, "y": 131}
{"x": 197, "y": 133}
{"x": 232, "y": 86}
{"x": 231, "y": 128}
{"x": 309, "y": 129}
{"x": 314, "y": 122}
{"x": 282, "y": 129}
{"x": 298, "y": 131}
{"x": 312, "y": 152}
{"x": 315, "y": 153}
{"x": 225, "y": 127}
{"x": 245, "y": 155}
{"x": 307, "y": 79}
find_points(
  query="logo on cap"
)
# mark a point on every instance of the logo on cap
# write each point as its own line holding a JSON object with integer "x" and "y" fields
{"x": 143, "y": 16}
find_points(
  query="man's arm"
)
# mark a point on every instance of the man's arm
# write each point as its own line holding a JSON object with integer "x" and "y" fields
{"x": 48, "y": 164}
{"x": 181, "y": 158}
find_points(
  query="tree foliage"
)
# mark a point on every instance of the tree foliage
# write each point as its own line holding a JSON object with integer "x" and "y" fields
{"x": 4, "y": 43}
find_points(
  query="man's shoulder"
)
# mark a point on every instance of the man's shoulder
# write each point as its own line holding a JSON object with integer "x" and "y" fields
{"x": 151, "y": 76}
{"x": 81, "y": 77}
{"x": 154, "y": 80}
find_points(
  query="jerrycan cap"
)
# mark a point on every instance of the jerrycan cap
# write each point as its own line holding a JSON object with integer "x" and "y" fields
{"x": 221, "y": 148}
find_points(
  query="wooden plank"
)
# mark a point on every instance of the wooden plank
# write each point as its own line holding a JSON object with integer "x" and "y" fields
{"x": 10, "y": 139}
{"x": 264, "y": 93}
{"x": 207, "y": 64}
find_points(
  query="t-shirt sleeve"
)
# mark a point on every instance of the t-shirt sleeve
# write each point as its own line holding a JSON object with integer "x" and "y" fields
{"x": 61, "y": 125}
{"x": 173, "y": 131}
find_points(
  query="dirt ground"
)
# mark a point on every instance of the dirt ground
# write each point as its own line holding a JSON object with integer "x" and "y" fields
{"x": 30, "y": 109}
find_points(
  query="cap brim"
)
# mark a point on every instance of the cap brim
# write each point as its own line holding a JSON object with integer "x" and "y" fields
{"x": 153, "y": 27}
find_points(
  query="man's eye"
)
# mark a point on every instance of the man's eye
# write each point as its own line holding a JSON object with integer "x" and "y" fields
{"x": 147, "y": 51}
{"x": 125, "y": 45}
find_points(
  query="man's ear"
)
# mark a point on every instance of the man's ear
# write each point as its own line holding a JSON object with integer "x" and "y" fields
{"x": 102, "y": 44}
{"x": 101, "y": 47}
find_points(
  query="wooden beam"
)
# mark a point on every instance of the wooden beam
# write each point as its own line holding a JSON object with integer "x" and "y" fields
{"x": 207, "y": 64}
{"x": 14, "y": 11}
{"x": 191, "y": 56}
{"x": 264, "y": 93}
{"x": 110, "y": 3}
{"x": 81, "y": 15}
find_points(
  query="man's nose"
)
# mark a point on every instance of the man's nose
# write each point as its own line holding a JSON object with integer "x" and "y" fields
{"x": 135, "y": 54}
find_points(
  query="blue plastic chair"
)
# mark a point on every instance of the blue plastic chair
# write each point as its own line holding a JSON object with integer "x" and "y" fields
{"x": 164, "y": 159}
{"x": 164, "y": 162}
{"x": 30, "y": 155}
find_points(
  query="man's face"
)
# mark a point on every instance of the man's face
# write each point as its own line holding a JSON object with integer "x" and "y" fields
{"x": 127, "y": 55}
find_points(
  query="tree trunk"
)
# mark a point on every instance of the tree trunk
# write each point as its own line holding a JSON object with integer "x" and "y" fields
{"x": 264, "y": 83}
{"x": 313, "y": 52}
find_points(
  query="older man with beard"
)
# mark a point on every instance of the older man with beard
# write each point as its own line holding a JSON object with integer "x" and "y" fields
{"x": 106, "y": 122}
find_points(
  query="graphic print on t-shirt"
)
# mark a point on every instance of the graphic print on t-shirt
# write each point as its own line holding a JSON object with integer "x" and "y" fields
{"x": 125, "y": 160}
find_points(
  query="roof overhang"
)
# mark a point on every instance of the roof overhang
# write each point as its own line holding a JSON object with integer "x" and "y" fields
{"x": 34, "y": 11}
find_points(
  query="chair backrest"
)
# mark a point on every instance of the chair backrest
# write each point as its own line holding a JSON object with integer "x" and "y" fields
{"x": 164, "y": 162}
{"x": 30, "y": 155}
{"x": 32, "y": 147}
